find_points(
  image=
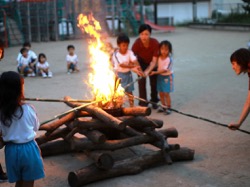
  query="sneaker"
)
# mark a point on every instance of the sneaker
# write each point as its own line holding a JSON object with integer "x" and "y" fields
{"x": 33, "y": 74}
{"x": 154, "y": 106}
{"x": 160, "y": 110}
{"x": 167, "y": 112}
{"x": 50, "y": 74}
{"x": 44, "y": 75}
{"x": 3, "y": 177}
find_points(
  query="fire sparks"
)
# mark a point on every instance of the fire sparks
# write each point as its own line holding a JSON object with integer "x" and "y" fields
{"x": 102, "y": 79}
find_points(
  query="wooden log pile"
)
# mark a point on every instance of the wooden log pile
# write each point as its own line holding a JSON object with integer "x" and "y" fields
{"x": 98, "y": 133}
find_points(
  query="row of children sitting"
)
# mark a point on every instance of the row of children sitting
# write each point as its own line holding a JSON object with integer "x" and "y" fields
{"x": 28, "y": 65}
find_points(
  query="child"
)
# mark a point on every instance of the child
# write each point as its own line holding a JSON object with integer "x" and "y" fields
{"x": 124, "y": 61}
{"x": 18, "y": 126}
{"x": 72, "y": 60}
{"x": 240, "y": 61}
{"x": 31, "y": 56}
{"x": 165, "y": 76}
{"x": 43, "y": 66}
{"x": 23, "y": 64}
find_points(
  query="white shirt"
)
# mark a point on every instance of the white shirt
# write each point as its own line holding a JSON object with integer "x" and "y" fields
{"x": 31, "y": 56}
{"x": 165, "y": 64}
{"x": 45, "y": 65}
{"x": 23, "y": 61}
{"x": 125, "y": 59}
{"x": 73, "y": 59}
{"x": 21, "y": 130}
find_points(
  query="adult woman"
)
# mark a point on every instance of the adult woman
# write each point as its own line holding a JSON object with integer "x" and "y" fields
{"x": 146, "y": 49}
{"x": 240, "y": 60}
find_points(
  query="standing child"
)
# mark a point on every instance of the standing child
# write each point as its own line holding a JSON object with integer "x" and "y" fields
{"x": 31, "y": 56}
{"x": 165, "y": 76}
{"x": 18, "y": 126}
{"x": 23, "y": 64}
{"x": 43, "y": 66}
{"x": 124, "y": 61}
{"x": 72, "y": 60}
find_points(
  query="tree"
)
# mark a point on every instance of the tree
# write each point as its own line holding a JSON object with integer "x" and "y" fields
{"x": 246, "y": 6}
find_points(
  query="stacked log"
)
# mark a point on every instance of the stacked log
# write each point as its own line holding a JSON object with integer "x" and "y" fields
{"x": 102, "y": 132}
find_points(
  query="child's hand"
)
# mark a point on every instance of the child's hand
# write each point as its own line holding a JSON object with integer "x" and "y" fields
{"x": 234, "y": 126}
{"x": 152, "y": 73}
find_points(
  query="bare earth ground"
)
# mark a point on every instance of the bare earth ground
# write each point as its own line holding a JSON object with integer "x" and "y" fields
{"x": 205, "y": 85}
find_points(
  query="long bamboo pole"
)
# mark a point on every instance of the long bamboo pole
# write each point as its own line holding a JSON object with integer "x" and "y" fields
{"x": 57, "y": 100}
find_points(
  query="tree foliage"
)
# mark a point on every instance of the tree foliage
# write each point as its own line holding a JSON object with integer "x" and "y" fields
{"x": 246, "y": 6}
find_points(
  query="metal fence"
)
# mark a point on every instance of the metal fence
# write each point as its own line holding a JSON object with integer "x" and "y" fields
{"x": 44, "y": 20}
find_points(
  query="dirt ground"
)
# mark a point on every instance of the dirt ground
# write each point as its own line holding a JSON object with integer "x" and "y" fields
{"x": 205, "y": 85}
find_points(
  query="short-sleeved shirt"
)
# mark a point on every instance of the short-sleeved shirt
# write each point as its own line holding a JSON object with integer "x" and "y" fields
{"x": 31, "y": 55}
{"x": 73, "y": 59}
{"x": 125, "y": 59}
{"x": 23, "y": 61}
{"x": 21, "y": 130}
{"x": 45, "y": 65}
{"x": 146, "y": 54}
{"x": 165, "y": 64}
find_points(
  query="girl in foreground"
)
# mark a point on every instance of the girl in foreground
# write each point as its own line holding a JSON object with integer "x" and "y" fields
{"x": 18, "y": 126}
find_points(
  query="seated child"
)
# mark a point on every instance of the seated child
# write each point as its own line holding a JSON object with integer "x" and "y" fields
{"x": 43, "y": 66}
{"x": 23, "y": 64}
{"x": 31, "y": 55}
{"x": 72, "y": 60}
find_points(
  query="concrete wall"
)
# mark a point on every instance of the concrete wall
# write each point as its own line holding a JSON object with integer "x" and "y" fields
{"x": 183, "y": 12}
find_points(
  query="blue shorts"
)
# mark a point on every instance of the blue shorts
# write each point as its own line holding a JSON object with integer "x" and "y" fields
{"x": 72, "y": 66}
{"x": 23, "y": 161}
{"x": 165, "y": 83}
{"x": 25, "y": 70}
{"x": 126, "y": 78}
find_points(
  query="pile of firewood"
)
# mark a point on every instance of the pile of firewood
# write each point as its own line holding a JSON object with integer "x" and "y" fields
{"x": 100, "y": 132}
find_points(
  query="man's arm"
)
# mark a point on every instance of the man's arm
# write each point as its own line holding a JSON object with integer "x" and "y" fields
{"x": 244, "y": 114}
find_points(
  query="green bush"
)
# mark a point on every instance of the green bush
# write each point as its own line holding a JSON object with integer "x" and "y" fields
{"x": 234, "y": 18}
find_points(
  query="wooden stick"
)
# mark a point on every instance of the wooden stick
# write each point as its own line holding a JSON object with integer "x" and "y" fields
{"x": 69, "y": 111}
{"x": 57, "y": 100}
{"x": 58, "y": 133}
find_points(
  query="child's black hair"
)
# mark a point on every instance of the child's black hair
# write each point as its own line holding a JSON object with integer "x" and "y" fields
{"x": 41, "y": 55}
{"x": 122, "y": 38}
{"x": 11, "y": 95}
{"x": 144, "y": 27}
{"x": 70, "y": 47}
{"x": 242, "y": 57}
{"x": 166, "y": 43}
{"x": 23, "y": 50}
{"x": 26, "y": 44}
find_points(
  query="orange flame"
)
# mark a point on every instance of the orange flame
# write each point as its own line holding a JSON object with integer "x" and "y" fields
{"x": 102, "y": 79}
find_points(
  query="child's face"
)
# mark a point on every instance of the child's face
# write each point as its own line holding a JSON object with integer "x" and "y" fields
{"x": 25, "y": 54}
{"x": 42, "y": 59}
{"x": 236, "y": 67}
{"x": 71, "y": 51}
{"x": 164, "y": 50}
{"x": 123, "y": 48}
